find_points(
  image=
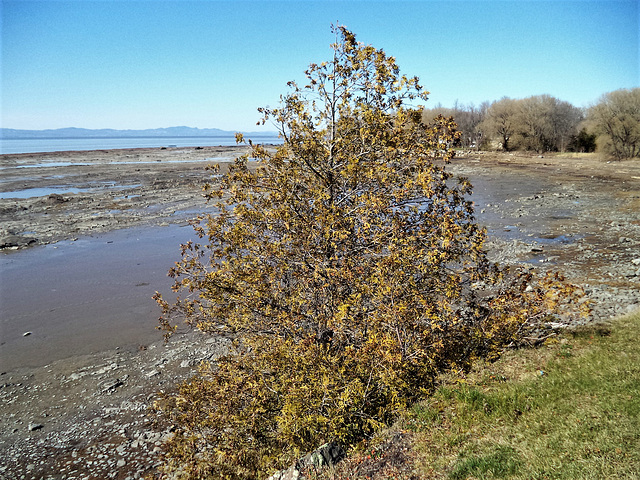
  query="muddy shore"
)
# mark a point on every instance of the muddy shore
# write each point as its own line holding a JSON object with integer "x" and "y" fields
{"x": 84, "y": 415}
{"x": 45, "y": 198}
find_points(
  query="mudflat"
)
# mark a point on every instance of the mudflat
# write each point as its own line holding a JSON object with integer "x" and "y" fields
{"x": 87, "y": 238}
{"x": 47, "y": 197}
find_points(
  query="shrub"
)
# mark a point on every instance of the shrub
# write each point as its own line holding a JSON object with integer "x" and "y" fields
{"x": 350, "y": 270}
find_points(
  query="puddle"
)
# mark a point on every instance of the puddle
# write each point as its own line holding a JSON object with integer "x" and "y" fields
{"x": 538, "y": 259}
{"x": 60, "y": 190}
{"x": 196, "y": 211}
{"x": 512, "y": 232}
{"x": 558, "y": 239}
{"x": 85, "y": 296}
{"x": 140, "y": 162}
{"x": 49, "y": 164}
{"x": 41, "y": 192}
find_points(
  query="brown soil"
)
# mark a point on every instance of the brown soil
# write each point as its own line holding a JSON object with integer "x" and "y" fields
{"x": 86, "y": 416}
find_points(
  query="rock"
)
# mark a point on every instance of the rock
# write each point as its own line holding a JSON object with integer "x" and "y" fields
{"x": 292, "y": 473}
{"x": 636, "y": 261}
{"x": 188, "y": 363}
{"x": 326, "y": 456}
{"x": 55, "y": 198}
{"x": 110, "y": 386}
{"x": 26, "y": 334}
{"x": 35, "y": 426}
{"x": 16, "y": 241}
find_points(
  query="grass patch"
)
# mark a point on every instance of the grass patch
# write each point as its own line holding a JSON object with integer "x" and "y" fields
{"x": 500, "y": 463}
{"x": 567, "y": 410}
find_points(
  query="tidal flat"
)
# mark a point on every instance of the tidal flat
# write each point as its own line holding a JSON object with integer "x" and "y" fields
{"x": 80, "y": 359}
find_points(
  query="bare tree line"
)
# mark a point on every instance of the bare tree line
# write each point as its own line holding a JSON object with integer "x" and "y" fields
{"x": 543, "y": 123}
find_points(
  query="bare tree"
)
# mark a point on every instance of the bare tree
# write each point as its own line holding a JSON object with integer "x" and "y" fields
{"x": 566, "y": 121}
{"x": 616, "y": 121}
{"x": 546, "y": 123}
{"x": 467, "y": 117}
{"x": 501, "y": 120}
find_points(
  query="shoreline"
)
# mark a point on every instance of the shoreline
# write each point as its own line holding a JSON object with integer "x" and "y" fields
{"x": 86, "y": 415}
{"x": 86, "y": 192}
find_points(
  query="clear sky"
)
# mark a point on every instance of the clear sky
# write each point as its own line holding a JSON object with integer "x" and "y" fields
{"x": 134, "y": 64}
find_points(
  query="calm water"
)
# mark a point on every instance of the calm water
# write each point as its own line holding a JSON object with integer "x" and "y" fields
{"x": 35, "y": 145}
{"x": 85, "y": 296}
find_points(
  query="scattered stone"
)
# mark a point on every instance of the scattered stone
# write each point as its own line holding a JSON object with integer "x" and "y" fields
{"x": 55, "y": 198}
{"x": 326, "y": 456}
{"x": 188, "y": 363}
{"x": 110, "y": 386}
{"x": 11, "y": 241}
{"x": 35, "y": 426}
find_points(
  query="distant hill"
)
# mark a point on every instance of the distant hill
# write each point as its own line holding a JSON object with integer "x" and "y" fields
{"x": 73, "y": 132}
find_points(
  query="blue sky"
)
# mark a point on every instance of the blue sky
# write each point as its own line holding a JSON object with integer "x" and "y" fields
{"x": 145, "y": 64}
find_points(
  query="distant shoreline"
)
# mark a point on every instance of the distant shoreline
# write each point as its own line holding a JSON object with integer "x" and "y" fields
{"x": 12, "y": 146}
{"x": 113, "y": 137}
{"x": 69, "y": 132}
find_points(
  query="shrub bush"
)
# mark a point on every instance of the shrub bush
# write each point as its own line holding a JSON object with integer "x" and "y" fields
{"x": 350, "y": 270}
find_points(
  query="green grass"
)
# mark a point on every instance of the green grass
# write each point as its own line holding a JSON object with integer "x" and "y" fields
{"x": 568, "y": 410}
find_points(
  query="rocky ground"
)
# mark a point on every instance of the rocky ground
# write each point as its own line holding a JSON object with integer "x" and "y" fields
{"x": 576, "y": 214}
{"x": 70, "y": 194}
{"x": 87, "y": 417}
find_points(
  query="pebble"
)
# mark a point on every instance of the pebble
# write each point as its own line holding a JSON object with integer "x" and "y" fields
{"x": 90, "y": 434}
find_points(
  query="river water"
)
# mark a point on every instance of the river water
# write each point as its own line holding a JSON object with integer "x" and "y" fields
{"x": 80, "y": 297}
{"x": 35, "y": 145}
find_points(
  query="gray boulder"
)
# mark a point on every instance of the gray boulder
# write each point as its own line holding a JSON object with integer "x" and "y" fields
{"x": 327, "y": 455}
{"x": 16, "y": 241}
